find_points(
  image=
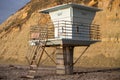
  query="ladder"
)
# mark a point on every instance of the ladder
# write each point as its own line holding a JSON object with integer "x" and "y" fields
{"x": 36, "y": 51}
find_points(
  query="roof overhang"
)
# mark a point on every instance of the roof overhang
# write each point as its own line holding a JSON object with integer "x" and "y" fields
{"x": 63, "y": 6}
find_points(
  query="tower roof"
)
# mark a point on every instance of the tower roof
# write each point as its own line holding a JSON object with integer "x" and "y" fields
{"x": 63, "y": 6}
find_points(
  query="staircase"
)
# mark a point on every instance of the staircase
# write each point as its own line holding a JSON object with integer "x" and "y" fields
{"x": 39, "y": 36}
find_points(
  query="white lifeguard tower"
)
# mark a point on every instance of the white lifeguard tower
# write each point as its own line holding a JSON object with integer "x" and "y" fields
{"x": 71, "y": 26}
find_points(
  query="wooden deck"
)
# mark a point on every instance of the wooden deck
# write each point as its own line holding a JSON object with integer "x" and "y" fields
{"x": 69, "y": 42}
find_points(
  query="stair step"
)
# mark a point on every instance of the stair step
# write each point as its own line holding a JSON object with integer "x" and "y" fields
{"x": 32, "y": 71}
{"x": 33, "y": 66}
{"x": 29, "y": 76}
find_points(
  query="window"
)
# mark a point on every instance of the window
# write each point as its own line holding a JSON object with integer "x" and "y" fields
{"x": 77, "y": 28}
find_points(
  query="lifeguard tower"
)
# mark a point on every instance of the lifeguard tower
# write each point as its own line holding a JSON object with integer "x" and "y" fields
{"x": 71, "y": 26}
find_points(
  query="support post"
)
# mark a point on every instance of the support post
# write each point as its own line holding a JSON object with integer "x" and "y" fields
{"x": 64, "y": 57}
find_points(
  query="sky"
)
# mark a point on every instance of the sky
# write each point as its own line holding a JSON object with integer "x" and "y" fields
{"x": 8, "y": 7}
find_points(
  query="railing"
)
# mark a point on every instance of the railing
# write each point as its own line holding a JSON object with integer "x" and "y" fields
{"x": 72, "y": 30}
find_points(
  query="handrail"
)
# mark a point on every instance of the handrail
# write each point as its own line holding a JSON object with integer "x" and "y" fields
{"x": 59, "y": 21}
{"x": 68, "y": 29}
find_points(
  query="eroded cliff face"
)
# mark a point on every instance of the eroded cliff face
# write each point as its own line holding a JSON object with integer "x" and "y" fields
{"x": 14, "y": 33}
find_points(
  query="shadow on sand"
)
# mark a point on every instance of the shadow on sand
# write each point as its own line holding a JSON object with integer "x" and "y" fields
{"x": 98, "y": 70}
